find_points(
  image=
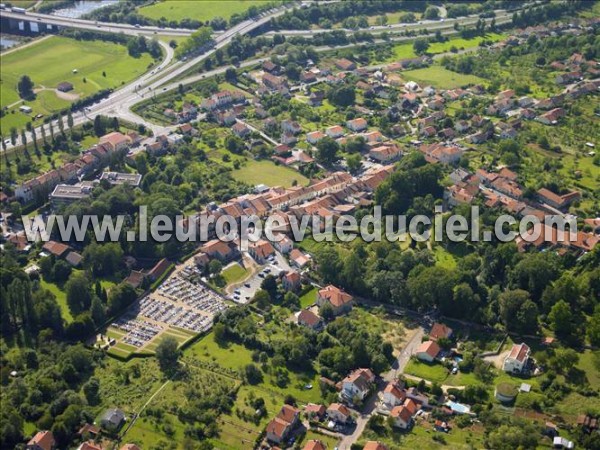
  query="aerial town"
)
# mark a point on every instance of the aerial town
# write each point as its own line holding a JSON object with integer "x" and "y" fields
{"x": 211, "y": 112}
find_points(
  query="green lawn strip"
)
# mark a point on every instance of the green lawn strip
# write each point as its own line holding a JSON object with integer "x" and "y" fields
{"x": 267, "y": 172}
{"x": 61, "y": 299}
{"x": 588, "y": 365}
{"x": 309, "y": 298}
{"x": 115, "y": 333}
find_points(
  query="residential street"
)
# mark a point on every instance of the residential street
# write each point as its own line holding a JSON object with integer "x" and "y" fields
{"x": 370, "y": 406}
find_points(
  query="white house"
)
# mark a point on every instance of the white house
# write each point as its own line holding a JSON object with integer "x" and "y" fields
{"x": 357, "y": 384}
{"x": 393, "y": 395}
{"x": 517, "y": 359}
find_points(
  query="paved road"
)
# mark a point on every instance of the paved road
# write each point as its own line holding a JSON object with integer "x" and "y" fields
{"x": 106, "y": 27}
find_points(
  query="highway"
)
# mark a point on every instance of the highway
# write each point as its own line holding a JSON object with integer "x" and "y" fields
{"x": 68, "y": 22}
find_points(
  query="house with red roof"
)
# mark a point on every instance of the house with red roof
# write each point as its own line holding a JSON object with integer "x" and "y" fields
{"x": 309, "y": 319}
{"x": 356, "y": 125}
{"x": 428, "y": 351}
{"x": 375, "y": 445}
{"x": 282, "y": 425}
{"x": 314, "y": 444}
{"x": 291, "y": 280}
{"x": 313, "y": 410}
{"x": 261, "y": 251}
{"x": 393, "y": 394}
{"x": 340, "y": 301}
{"x": 357, "y": 384}
{"x": 43, "y": 440}
{"x": 440, "y": 330}
{"x": 402, "y": 417}
{"x": 517, "y": 359}
{"x": 339, "y": 413}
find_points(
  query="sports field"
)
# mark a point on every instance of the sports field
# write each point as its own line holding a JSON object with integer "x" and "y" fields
{"x": 201, "y": 10}
{"x": 52, "y": 61}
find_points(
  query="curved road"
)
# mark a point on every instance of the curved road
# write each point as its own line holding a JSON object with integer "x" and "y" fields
{"x": 119, "y": 103}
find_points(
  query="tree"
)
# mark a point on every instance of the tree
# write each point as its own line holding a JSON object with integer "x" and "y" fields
{"x": 342, "y": 96}
{"x": 25, "y": 87}
{"x": 215, "y": 267}
{"x": 326, "y": 312}
{"x": 167, "y": 355}
{"x": 231, "y": 75}
{"x": 518, "y": 312}
{"x": 121, "y": 296}
{"x": 70, "y": 121}
{"x": 79, "y": 297}
{"x": 327, "y": 149}
{"x": 99, "y": 126}
{"x": 560, "y": 318}
{"x": 91, "y": 390}
{"x": 353, "y": 162}
{"x": 431, "y": 13}
{"x": 420, "y": 46}
{"x": 262, "y": 299}
{"x": 252, "y": 374}
{"x": 593, "y": 327}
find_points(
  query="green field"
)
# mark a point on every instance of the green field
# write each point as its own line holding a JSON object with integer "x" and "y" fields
{"x": 440, "y": 77}
{"x": 405, "y": 51}
{"x": 234, "y": 273}
{"x": 267, "y": 172}
{"x": 201, "y": 10}
{"x": 51, "y": 61}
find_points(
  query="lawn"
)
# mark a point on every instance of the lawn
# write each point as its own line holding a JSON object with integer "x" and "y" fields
{"x": 440, "y": 77}
{"x": 587, "y": 364}
{"x": 234, "y": 273}
{"x": 61, "y": 299}
{"x": 201, "y": 10}
{"x": 51, "y": 61}
{"x": 309, "y": 298}
{"x": 267, "y": 172}
{"x": 231, "y": 356}
{"x": 432, "y": 372}
{"x": 443, "y": 258}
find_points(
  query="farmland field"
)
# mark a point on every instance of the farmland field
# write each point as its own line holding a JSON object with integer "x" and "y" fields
{"x": 266, "y": 172}
{"x": 99, "y": 65}
{"x": 440, "y": 77}
{"x": 202, "y": 10}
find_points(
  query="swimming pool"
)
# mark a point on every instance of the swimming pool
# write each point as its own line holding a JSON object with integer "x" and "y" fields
{"x": 458, "y": 407}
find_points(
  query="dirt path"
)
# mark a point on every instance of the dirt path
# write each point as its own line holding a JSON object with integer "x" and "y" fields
{"x": 19, "y": 47}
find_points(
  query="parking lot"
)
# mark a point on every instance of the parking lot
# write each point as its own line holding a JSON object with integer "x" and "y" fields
{"x": 245, "y": 292}
{"x": 181, "y": 301}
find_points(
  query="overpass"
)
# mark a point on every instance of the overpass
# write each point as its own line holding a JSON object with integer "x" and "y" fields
{"x": 50, "y": 23}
